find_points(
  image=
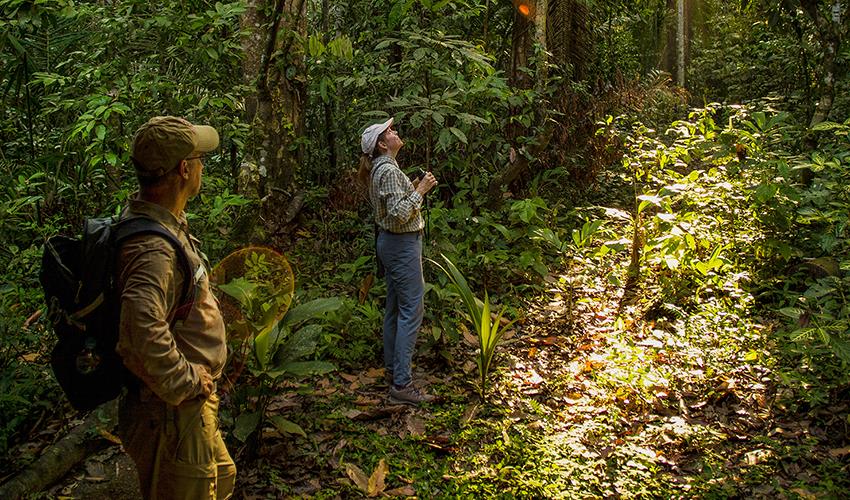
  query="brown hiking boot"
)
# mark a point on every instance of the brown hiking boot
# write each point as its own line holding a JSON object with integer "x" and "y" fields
{"x": 409, "y": 395}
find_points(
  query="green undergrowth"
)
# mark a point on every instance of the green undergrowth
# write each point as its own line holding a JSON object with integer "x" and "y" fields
{"x": 678, "y": 342}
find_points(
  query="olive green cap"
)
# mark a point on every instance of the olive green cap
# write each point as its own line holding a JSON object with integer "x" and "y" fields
{"x": 164, "y": 141}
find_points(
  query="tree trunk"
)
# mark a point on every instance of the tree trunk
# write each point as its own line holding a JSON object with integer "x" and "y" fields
{"x": 830, "y": 40}
{"x": 520, "y": 51}
{"x": 680, "y": 42}
{"x": 274, "y": 65}
{"x": 676, "y": 55}
{"x": 329, "y": 107}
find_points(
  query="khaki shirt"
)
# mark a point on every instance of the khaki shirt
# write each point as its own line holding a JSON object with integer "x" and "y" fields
{"x": 166, "y": 359}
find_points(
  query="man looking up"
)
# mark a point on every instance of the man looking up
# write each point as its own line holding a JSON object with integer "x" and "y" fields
{"x": 169, "y": 422}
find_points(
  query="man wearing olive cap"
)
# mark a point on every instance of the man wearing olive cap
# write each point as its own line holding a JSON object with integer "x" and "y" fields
{"x": 169, "y": 423}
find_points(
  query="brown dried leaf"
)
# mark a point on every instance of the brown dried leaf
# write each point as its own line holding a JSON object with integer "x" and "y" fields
{"x": 415, "y": 425}
{"x": 365, "y": 286}
{"x": 838, "y": 452}
{"x": 376, "y": 480}
{"x": 357, "y": 475}
{"x": 353, "y": 414}
{"x": 469, "y": 338}
{"x": 404, "y": 491}
{"x": 109, "y": 436}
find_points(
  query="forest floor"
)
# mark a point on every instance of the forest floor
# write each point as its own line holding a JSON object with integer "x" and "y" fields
{"x": 582, "y": 405}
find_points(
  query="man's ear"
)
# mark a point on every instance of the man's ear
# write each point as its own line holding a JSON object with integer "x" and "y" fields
{"x": 183, "y": 169}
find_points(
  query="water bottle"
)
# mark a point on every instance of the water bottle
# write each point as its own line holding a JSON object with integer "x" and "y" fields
{"x": 88, "y": 360}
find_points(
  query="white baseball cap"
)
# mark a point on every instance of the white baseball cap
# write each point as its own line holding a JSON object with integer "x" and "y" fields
{"x": 370, "y": 136}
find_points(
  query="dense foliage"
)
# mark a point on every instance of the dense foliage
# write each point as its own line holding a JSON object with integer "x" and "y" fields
{"x": 677, "y": 260}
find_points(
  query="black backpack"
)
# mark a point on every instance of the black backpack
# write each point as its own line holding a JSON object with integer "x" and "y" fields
{"x": 79, "y": 279}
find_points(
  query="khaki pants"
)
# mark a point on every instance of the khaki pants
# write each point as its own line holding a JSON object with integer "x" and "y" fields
{"x": 178, "y": 450}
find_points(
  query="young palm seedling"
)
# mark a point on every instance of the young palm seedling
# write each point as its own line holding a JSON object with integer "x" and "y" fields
{"x": 489, "y": 332}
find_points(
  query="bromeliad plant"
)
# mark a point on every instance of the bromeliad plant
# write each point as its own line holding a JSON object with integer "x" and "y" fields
{"x": 489, "y": 332}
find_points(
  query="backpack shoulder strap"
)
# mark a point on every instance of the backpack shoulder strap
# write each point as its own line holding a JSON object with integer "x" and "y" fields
{"x": 139, "y": 225}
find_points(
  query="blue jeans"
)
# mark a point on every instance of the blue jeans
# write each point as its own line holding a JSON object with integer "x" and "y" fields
{"x": 401, "y": 255}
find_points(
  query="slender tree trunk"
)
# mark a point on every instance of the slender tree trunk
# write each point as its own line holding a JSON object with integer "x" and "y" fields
{"x": 676, "y": 54}
{"x": 520, "y": 50}
{"x": 680, "y": 42}
{"x": 330, "y": 122}
{"x": 830, "y": 41}
{"x": 540, "y": 24}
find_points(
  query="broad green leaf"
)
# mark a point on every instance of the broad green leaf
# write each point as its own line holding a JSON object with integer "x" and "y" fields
{"x": 263, "y": 342}
{"x": 301, "y": 343}
{"x": 285, "y": 426}
{"x": 459, "y": 134}
{"x": 240, "y": 289}
{"x": 311, "y": 309}
{"x": 246, "y": 423}
{"x": 305, "y": 368}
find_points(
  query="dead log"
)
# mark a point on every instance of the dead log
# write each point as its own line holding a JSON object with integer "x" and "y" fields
{"x": 82, "y": 441}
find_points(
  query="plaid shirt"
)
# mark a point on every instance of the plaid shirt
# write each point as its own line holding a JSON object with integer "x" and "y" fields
{"x": 394, "y": 201}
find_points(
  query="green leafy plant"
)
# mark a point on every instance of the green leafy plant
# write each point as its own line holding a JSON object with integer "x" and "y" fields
{"x": 489, "y": 332}
{"x": 278, "y": 348}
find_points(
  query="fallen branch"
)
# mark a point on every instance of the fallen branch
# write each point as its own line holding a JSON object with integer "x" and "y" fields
{"x": 53, "y": 464}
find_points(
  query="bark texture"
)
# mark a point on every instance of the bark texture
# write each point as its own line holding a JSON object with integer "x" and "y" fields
{"x": 274, "y": 64}
{"x": 830, "y": 41}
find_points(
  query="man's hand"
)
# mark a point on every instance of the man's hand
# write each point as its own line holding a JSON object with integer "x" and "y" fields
{"x": 425, "y": 184}
{"x": 206, "y": 382}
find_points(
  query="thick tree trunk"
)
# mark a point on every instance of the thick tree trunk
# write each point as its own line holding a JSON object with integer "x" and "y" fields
{"x": 520, "y": 57}
{"x": 274, "y": 64}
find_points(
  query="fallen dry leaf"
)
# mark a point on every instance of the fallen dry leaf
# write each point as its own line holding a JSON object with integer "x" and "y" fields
{"x": 376, "y": 480}
{"x": 838, "y": 452}
{"x": 353, "y": 414}
{"x": 112, "y": 438}
{"x": 415, "y": 425}
{"x": 375, "y": 484}
{"x": 357, "y": 475}
{"x": 404, "y": 491}
{"x": 365, "y": 286}
{"x": 469, "y": 338}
